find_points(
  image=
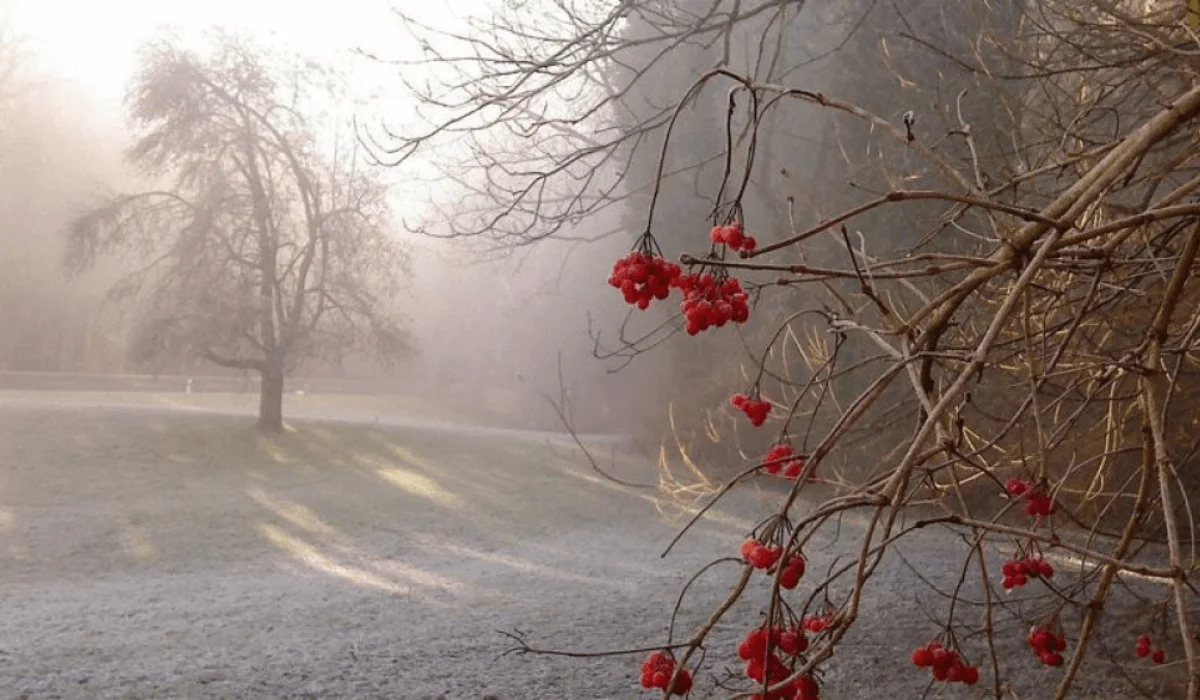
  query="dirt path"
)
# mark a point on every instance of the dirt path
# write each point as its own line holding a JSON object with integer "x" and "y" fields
{"x": 150, "y": 554}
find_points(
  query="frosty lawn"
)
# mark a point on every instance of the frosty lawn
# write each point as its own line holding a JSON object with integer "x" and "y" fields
{"x": 152, "y": 554}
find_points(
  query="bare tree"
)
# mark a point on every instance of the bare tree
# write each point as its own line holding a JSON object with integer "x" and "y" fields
{"x": 259, "y": 250}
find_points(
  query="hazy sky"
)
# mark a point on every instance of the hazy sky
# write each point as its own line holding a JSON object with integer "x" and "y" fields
{"x": 95, "y": 43}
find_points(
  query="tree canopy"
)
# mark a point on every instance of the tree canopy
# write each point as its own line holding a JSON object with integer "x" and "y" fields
{"x": 259, "y": 245}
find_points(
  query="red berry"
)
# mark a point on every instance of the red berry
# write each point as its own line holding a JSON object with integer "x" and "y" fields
{"x": 970, "y": 675}
{"x": 922, "y": 658}
{"x": 815, "y": 623}
{"x": 657, "y": 670}
{"x": 794, "y": 468}
{"x": 748, "y": 547}
{"x": 776, "y": 457}
{"x": 1159, "y": 656}
{"x": 806, "y": 688}
{"x": 792, "y": 572}
{"x": 762, "y": 557}
{"x": 734, "y": 236}
{"x": 756, "y": 411}
{"x": 1016, "y": 487}
{"x": 955, "y": 672}
{"x": 1038, "y": 505}
{"x": 682, "y": 684}
{"x": 792, "y": 642}
{"x": 1142, "y": 649}
{"x": 774, "y": 670}
{"x": 754, "y": 646}
{"x": 1042, "y": 568}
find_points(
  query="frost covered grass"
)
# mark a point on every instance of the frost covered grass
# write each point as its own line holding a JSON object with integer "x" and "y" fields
{"x": 154, "y": 554}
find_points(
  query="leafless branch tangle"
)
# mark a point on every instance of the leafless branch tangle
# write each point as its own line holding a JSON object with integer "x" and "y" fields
{"x": 1043, "y": 326}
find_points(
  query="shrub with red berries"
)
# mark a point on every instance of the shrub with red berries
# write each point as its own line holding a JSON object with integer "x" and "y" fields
{"x": 643, "y": 277}
{"x": 711, "y": 302}
{"x": 1144, "y": 649}
{"x": 657, "y": 670}
{"x": 782, "y": 459}
{"x": 1047, "y": 646}
{"x": 789, "y": 641}
{"x": 1037, "y": 503}
{"x": 733, "y": 236}
{"x": 793, "y": 571}
{"x": 755, "y": 409}
{"x": 946, "y": 665}
{"x": 759, "y": 555}
{"x": 817, "y": 623}
{"x": 763, "y": 665}
{"x": 1017, "y": 572}
{"x": 803, "y": 688}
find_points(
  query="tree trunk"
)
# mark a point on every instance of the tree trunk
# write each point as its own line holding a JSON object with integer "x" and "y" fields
{"x": 270, "y": 400}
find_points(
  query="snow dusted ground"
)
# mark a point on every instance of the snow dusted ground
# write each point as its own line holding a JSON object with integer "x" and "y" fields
{"x": 153, "y": 553}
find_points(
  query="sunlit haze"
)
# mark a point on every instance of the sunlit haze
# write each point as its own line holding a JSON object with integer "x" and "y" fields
{"x": 95, "y": 42}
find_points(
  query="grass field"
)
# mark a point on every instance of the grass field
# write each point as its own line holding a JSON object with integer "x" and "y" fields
{"x": 180, "y": 554}
{"x": 159, "y": 552}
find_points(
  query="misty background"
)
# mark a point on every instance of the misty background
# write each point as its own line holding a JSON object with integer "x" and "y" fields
{"x": 490, "y": 324}
{"x": 506, "y": 298}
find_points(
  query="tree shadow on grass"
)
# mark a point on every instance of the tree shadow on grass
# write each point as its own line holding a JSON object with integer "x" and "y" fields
{"x": 389, "y": 508}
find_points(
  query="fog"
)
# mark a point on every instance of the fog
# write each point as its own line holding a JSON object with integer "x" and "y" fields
{"x": 504, "y": 330}
{"x": 56, "y": 151}
{"x": 499, "y": 330}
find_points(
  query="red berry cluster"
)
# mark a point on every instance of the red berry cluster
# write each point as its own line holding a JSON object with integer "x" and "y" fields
{"x": 755, "y": 409}
{"x": 1037, "y": 503}
{"x": 762, "y": 666}
{"x": 770, "y": 669}
{"x": 657, "y": 670}
{"x": 1047, "y": 645}
{"x": 783, "y": 458}
{"x": 733, "y": 236}
{"x": 1017, "y": 571}
{"x": 946, "y": 664}
{"x": 803, "y": 688}
{"x": 765, "y": 557}
{"x": 760, "y": 555}
{"x": 792, "y": 572}
{"x": 643, "y": 277}
{"x": 817, "y": 623}
{"x": 710, "y": 303}
{"x": 1143, "y": 650}
{"x": 789, "y": 641}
